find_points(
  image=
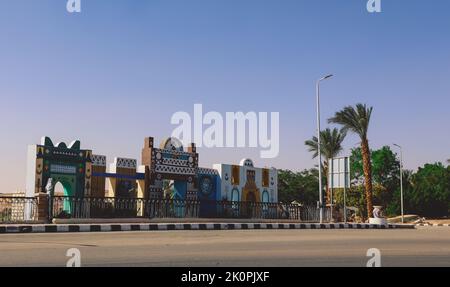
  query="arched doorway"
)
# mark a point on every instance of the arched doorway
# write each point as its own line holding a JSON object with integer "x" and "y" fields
{"x": 250, "y": 202}
{"x": 62, "y": 196}
{"x": 251, "y": 196}
{"x": 63, "y": 189}
{"x": 235, "y": 195}
{"x": 265, "y": 196}
{"x": 59, "y": 189}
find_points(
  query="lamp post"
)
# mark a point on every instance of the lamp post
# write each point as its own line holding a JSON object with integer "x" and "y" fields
{"x": 318, "y": 144}
{"x": 401, "y": 181}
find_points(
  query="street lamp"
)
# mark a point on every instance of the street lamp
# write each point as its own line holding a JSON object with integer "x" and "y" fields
{"x": 318, "y": 144}
{"x": 401, "y": 181}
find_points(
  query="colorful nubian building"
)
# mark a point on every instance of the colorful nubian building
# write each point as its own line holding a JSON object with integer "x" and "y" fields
{"x": 167, "y": 171}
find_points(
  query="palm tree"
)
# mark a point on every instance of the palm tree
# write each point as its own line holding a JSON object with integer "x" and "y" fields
{"x": 356, "y": 119}
{"x": 330, "y": 146}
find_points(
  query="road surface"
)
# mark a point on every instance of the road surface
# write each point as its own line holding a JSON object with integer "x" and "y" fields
{"x": 265, "y": 248}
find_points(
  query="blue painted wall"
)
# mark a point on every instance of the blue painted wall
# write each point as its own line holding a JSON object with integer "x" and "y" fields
{"x": 208, "y": 194}
{"x": 180, "y": 188}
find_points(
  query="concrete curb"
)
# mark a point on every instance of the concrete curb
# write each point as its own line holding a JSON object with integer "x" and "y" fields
{"x": 433, "y": 224}
{"x": 187, "y": 226}
{"x": 163, "y": 220}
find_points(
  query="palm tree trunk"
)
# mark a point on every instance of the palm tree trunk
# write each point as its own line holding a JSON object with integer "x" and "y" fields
{"x": 325, "y": 171}
{"x": 367, "y": 167}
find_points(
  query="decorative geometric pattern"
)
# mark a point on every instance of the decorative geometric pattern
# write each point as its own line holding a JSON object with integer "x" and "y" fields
{"x": 206, "y": 185}
{"x": 171, "y": 160}
{"x": 176, "y": 162}
{"x": 207, "y": 171}
{"x": 175, "y": 169}
{"x": 66, "y": 153}
{"x": 98, "y": 160}
{"x": 125, "y": 163}
{"x": 172, "y": 152}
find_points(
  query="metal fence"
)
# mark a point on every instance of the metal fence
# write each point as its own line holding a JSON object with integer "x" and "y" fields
{"x": 24, "y": 209}
{"x": 17, "y": 209}
{"x": 110, "y": 207}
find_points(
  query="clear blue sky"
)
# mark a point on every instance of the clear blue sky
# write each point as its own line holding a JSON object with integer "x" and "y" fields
{"x": 117, "y": 72}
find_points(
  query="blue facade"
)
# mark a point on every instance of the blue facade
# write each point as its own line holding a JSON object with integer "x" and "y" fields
{"x": 180, "y": 189}
{"x": 208, "y": 192}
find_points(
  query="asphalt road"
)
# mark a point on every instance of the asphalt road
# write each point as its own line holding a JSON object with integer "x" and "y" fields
{"x": 420, "y": 247}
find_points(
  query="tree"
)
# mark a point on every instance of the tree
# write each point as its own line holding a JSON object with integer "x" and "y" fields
{"x": 356, "y": 119}
{"x": 430, "y": 194}
{"x": 298, "y": 186}
{"x": 385, "y": 176}
{"x": 385, "y": 165}
{"x": 394, "y": 206}
{"x": 330, "y": 147}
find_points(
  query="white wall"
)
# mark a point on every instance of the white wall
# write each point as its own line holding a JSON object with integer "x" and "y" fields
{"x": 227, "y": 187}
{"x": 31, "y": 171}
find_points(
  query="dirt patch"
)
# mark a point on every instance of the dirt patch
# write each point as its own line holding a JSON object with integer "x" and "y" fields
{"x": 438, "y": 221}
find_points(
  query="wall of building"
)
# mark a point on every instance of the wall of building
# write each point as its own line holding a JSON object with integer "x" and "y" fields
{"x": 236, "y": 182}
{"x": 239, "y": 182}
{"x": 98, "y": 183}
{"x": 125, "y": 170}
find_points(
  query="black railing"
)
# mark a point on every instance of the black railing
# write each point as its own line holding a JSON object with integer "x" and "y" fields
{"x": 17, "y": 209}
{"x": 110, "y": 207}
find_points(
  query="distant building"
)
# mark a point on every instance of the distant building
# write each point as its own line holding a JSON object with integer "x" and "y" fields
{"x": 14, "y": 207}
{"x": 245, "y": 182}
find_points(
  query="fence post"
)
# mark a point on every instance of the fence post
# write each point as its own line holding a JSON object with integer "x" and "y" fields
{"x": 42, "y": 204}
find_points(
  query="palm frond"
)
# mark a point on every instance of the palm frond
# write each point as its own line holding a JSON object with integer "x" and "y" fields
{"x": 355, "y": 119}
{"x": 330, "y": 143}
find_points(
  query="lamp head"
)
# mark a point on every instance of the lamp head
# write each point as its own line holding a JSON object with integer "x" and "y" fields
{"x": 326, "y": 77}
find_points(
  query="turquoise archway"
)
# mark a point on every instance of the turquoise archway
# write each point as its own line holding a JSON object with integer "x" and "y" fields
{"x": 68, "y": 183}
{"x": 68, "y": 191}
